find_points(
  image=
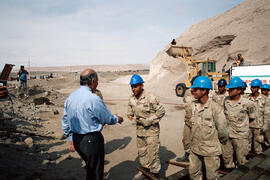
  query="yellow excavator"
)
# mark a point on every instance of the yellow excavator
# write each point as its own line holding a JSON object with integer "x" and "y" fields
{"x": 208, "y": 68}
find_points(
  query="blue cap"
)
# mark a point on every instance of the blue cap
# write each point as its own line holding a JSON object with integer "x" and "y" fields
{"x": 222, "y": 82}
{"x": 202, "y": 82}
{"x": 136, "y": 79}
{"x": 256, "y": 82}
{"x": 235, "y": 82}
{"x": 265, "y": 86}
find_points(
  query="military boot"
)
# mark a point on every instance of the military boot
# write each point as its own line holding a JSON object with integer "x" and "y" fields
{"x": 183, "y": 158}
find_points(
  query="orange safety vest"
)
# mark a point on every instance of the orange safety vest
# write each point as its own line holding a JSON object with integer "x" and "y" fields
{"x": 238, "y": 62}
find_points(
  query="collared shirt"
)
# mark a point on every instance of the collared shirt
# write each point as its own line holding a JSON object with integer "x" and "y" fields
{"x": 238, "y": 115}
{"x": 260, "y": 110}
{"x": 208, "y": 127}
{"x": 147, "y": 112}
{"x": 85, "y": 112}
{"x": 219, "y": 98}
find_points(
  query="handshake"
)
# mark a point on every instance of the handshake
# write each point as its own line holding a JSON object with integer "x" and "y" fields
{"x": 120, "y": 119}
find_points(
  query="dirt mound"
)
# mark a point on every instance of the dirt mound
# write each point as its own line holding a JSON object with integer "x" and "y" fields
{"x": 165, "y": 73}
{"x": 246, "y": 26}
{"x": 243, "y": 29}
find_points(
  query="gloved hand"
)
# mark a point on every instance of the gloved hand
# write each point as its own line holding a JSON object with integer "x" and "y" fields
{"x": 145, "y": 122}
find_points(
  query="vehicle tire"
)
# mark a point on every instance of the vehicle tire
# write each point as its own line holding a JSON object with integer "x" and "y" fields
{"x": 180, "y": 89}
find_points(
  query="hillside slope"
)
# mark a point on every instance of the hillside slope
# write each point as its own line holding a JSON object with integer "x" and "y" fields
{"x": 243, "y": 29}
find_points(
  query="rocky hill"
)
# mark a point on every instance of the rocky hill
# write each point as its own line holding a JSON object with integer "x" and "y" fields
{"x": 243, "y": 29}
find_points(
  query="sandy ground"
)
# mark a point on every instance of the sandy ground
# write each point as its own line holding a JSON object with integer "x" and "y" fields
{"x": 120, "y": 140}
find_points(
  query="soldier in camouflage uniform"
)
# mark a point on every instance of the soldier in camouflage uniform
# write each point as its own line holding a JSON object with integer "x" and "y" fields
{"x": 147, "y": 112}
{"x": 238, "y": 110}
{"x": 208, "y": 129}
{"x": 220, "y": 95}
{"x": 256, "y": 127}
{"x": 188, "y": 98}
{"x": 265, "y": 88}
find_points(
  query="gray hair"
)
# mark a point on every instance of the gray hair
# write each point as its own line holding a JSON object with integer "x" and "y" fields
{"x": 87, "y": 79}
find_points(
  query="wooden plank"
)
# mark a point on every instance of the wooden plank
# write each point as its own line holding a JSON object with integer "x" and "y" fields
{"x": 180, "y": 164}
{"x": 146, "y": 173}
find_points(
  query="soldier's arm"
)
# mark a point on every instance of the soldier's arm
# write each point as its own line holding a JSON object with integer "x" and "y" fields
{"x": 130, "y": 113}
{"x": 157, "y": 109}
{"x": 221, "y": 123}
{"x": 266, "y": 115}
{"x": 267, "y": 110}
{"x": 188, "y": 115}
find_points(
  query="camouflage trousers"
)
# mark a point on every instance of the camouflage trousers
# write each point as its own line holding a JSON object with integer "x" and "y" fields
{"x": 238, "y": 146}
{"x": 148, "y": 152}
{"x": 267, "y": 133}
{"x": 256, "y": 139}
{"x": 212, "y": 164}
{"x": 186, "y": 138}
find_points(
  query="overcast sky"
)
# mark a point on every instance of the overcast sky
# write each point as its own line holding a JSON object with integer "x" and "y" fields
{"x": 90, "y": 32}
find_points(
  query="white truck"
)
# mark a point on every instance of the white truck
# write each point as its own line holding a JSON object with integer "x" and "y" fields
{"x": 248, "y": 73}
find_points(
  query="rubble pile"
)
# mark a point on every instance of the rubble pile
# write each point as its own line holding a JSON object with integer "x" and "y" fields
{"x": 24, "y": 134}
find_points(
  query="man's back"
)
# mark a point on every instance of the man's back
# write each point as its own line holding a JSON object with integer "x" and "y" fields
{"x": 85, "y": 112}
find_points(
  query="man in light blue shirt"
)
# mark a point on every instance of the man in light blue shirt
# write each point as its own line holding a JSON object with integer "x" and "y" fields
{"x": 84, "y": 117}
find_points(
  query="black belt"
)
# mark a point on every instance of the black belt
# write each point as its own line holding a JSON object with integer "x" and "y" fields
{"x": 90, "y": 133}
{"x": 93, "y": 133}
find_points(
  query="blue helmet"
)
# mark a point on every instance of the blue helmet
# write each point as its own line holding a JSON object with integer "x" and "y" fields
{"x": 222, "y": 82}
{"x": 235, "y": 82}
{"x": 202, "y": 82}
{"x": 265, "y": 86}
{"x": 256, "y": 82}
{"x": 136, "y": 79}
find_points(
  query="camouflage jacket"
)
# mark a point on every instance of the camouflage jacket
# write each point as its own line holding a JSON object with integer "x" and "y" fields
{"x": 267, "y": 109}
{"x": 147, "y": 112}
{"x": 238, "y": 115}
{"x": 188, "y": 97}
{"x": 219, "y": 98}
{"x": 208, "y": 128}
{"x": 260, "y": 111}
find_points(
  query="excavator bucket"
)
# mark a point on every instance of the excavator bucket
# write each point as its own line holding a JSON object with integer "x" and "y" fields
{"x": 180, "y": 51}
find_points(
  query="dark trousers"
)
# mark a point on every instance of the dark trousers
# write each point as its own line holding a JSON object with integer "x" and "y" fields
{"x": 91, "y": 149}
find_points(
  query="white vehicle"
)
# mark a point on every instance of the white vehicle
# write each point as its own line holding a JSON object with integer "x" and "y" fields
{"x": 248, "y": 73}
